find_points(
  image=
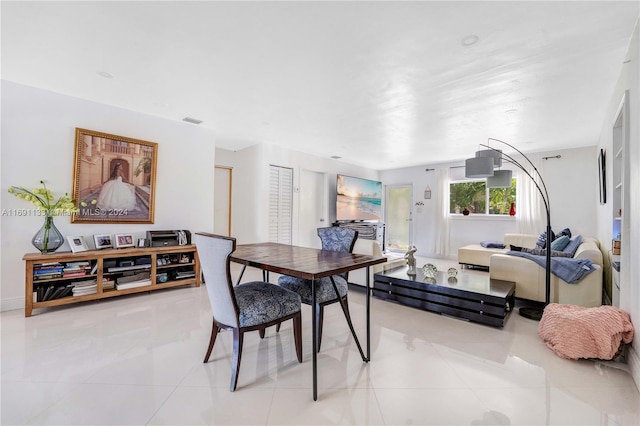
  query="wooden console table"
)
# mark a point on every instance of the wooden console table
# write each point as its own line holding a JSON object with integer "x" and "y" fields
{"x": 50, "y": 278}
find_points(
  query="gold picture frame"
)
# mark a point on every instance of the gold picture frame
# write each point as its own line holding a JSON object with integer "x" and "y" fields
{"x": 114, "y": 178}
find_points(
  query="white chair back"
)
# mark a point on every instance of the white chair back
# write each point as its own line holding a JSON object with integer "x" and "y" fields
{"x": 214, "y": 252}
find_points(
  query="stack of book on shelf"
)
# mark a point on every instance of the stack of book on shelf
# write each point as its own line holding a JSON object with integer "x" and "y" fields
{"x": 47, "y": 271}
{"x": 133, "y": 280}
{"x": 76, "y": 269}
{"x": 81, "y": 288}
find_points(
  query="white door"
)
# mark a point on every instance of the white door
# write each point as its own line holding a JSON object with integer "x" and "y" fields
{"x": 312, "y": 208}
{"x": 280, "y": 204}
{"x": 222, "y": 201}
{"x": 398, "y": 217}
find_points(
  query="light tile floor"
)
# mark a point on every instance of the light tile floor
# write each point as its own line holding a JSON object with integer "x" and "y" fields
{"x": 138, "y": 360}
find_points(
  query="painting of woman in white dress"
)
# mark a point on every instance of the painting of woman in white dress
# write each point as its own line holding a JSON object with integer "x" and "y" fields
{"x": 117, "y": 193}
{"x": 114, "y": 178}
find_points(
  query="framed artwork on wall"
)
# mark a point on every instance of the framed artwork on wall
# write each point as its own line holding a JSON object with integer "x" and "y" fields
{"x": 113, "y": 178}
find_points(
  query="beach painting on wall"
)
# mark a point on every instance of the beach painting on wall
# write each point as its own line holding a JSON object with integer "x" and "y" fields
{"x": 358, "y": 199}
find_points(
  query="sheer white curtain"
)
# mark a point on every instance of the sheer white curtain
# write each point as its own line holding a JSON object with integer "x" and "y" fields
{"x": 442, "y": 216}
{"x": 530, "y": 212}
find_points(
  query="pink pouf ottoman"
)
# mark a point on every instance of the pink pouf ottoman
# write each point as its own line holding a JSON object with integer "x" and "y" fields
{"x": 575, "y": 332}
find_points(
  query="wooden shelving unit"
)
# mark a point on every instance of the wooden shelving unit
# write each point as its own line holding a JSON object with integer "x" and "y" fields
{"x": 179, "y": 264}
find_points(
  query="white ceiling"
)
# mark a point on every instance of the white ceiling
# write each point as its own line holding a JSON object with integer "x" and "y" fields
{"x": 381, "y": 84}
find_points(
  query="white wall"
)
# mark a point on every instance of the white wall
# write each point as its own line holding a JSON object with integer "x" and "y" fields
{"x": 38, "y": 132}
{"x": 630, "y": 253}
{"x": 250, "y": 193}
{"x": 572, "y": 182}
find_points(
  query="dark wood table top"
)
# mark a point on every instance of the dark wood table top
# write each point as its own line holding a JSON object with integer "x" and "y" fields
{"x": 301, "y": 262}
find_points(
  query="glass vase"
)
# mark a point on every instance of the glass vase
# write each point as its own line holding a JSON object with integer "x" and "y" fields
{"x": 48, "y": 239}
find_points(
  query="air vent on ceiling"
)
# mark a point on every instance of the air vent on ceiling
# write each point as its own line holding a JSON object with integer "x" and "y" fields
{"x": 192, "y": 120}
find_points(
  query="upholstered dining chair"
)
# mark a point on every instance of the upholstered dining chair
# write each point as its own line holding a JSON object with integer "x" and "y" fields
{"x": 334, "y": 238}
{"x": 246, "y": 307}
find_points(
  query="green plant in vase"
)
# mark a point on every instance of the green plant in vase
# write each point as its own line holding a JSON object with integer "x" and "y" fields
{"x": 48, "y": 239}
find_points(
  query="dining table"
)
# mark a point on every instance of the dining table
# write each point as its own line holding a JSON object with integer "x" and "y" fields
{"x": 311, "y": 264}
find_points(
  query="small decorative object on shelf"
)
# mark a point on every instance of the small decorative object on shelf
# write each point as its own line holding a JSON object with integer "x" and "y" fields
{"x": 411, "y": 260}
{"x": 512, "y": 210}
{"x": 466, "y": 211}
{"x": 452, "y": 272}
{"x": 430, "y": 271}
{"x": 48, "y": 239}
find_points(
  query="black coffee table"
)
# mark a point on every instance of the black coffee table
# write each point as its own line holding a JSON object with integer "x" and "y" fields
{"x": 469, "y": 296}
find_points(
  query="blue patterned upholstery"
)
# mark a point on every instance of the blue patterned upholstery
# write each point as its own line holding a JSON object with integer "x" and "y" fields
{"x": 324, "y": 289}
{"x": 337, "y": 238}
{"x": 260, "y": 303}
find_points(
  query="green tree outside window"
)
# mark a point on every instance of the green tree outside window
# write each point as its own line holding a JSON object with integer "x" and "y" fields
{"x": 474, "y": 196}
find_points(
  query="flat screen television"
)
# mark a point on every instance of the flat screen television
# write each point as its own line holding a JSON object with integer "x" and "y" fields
{"x": 358, "y": 199}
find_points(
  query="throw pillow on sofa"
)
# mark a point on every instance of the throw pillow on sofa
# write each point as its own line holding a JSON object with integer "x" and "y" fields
{"x": 559, "y": 244}
{"x": 492, "y": 244}
{"x": 573, "y": 245}
{"x": 542, "y": 239}
{"x": 565, "y": 231}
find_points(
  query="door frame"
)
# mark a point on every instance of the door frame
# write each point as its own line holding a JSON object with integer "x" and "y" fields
{"x": 409, "y": 186}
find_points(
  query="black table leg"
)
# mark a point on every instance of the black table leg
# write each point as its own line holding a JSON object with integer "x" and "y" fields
{"x": 314, "y": 339}
{"x": 241, "y": 274}
{"x": 348, "y": 318}
{"x": 368, "y": 317}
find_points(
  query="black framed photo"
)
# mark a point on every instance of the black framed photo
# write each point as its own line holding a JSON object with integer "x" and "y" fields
{"x": 602, "y": 175}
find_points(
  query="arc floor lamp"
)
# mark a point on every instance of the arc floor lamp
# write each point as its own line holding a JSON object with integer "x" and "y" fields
{"x": 483, "y": 166}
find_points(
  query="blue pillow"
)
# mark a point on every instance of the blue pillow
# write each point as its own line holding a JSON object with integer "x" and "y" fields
{"x": 560, "y": 243}
{"x": 573, "y": 245}
{"x": 542, "y": 239}
{"x": 492, "y": 244}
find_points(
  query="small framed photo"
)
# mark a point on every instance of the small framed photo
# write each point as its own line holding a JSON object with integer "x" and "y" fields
{"x": 124, "y": 240}
{"x": 77, "y": 244}
{"x": 103, "y": 241}
{"x": 142, "y": 242}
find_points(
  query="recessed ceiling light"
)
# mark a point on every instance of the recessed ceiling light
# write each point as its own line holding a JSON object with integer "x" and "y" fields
{"x": 336, "y": 157}
{"x": 192, "y": 120}
{"x": 105, "y": 74}
{"x": 470, "y": 40}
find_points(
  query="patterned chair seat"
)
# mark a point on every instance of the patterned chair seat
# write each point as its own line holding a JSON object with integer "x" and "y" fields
{"x": 324, "y": 289}
{"x": 261, "y": 302}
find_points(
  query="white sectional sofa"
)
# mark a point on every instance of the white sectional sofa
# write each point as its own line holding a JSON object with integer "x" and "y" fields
{"x": 530, "y": 278}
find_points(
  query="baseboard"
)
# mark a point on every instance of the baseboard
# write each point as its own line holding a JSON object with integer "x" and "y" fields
{"x": 634, "y": 365}
{"x": 11, "y": 304}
